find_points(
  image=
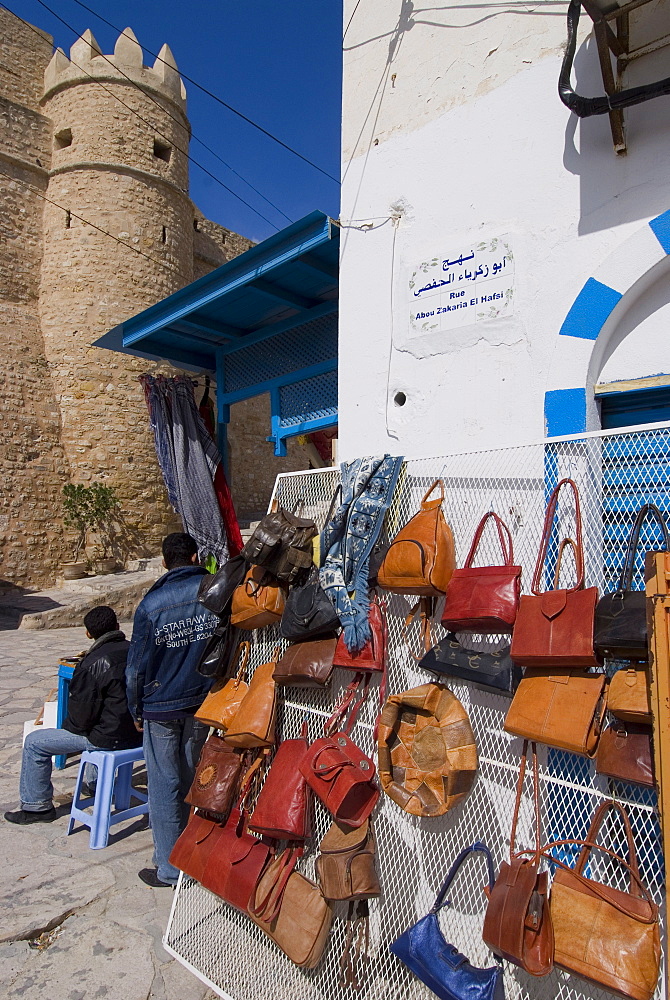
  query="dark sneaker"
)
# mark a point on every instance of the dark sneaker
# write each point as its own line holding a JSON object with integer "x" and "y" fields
{"x": 23, "y": 818}
{"x": 150, "y": 877}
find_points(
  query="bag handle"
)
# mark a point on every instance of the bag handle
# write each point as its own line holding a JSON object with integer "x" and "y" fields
{"x": 331, "y": 509}
{"x": 268, "y": 908}
{"x": 536, "y": 802}
{"x": 244, "y": 648}
{"x": 439, "y": 483}
{"x": 424, "y": 609}
{"x": 476, "y": 848}
{"x": 596, "y": 823}
{"x": 626, "y": 580}
{"x": 298, "y": 507}
{"x": 546, "y": 535}
{"x": 561, "y": 549}
{"x": 503, "y": 534}
{"x": 350, "y": 692}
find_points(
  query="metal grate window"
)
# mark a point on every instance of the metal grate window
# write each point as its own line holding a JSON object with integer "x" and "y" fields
{"x": 308, "y": 400}
{"x": 288, "y": 352}
{"x": 232, "y": 955}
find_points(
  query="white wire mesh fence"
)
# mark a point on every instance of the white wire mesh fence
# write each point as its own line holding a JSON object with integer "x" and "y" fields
{"x": 616, "y": 474}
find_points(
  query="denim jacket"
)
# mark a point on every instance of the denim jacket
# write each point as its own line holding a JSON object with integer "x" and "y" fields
{"x": 170, "y": 631}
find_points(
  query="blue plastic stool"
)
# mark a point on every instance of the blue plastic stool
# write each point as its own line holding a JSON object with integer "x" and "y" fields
{"x": 115, "y": 772}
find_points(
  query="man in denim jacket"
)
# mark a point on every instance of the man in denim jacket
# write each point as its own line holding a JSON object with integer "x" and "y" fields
{"x": 170, "y": 631}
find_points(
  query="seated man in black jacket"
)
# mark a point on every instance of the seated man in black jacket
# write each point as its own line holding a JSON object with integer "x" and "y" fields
{"x": 97, "y": 718}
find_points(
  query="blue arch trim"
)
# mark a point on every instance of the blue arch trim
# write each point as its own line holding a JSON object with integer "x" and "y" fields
{"x": 660, "y": 227}
{"x": 590, "y": 310}
{"x": 565, "y": 412}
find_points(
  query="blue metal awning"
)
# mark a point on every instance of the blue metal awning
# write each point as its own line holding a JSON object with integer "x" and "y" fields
{"x": 264, "y": 322}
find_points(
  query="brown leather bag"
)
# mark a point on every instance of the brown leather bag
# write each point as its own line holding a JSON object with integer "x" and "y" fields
{"x": 373, "y": 654}
{"x": 291, "y": 910}
{"x": 307, "y": 664}
{"x": 258, "y": 601}
{"x": 607, "y": 936}
{"x": 630, "y": 697}
{"x": 217, "y": 776}
{"x": 345, "y": 866}
{"x": 517, "y": 924}
{"x": 625, "y": 753}
{"x": 254, "y": 722}
{"x": 225, "y": 697}
{"x": 555, "y": 627}
{"x": 484, "y": 599}
{"x": 282, "y": 807}
{"x": 421, "y": 559}
{"x": 562, "y": 708}
{"x": 427, "y": 751}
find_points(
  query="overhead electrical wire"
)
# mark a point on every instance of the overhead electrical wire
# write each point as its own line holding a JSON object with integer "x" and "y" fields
{"x": 157, "y": 131}
{"x": 205, "y": 90}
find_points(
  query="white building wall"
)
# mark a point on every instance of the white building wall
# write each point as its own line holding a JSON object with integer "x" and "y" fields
{"x": 453, "y": 133}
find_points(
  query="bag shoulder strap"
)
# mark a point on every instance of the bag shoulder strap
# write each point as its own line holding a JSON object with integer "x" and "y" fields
{"x": 503, "y": 534}
{"x": 536, "y": 802}
{"x": 244, "y": 648}
{"x": 596, "y": 823}
{"x": 439, "y": 483}
{"x": 476, "y": 848}
{"x": 424, "y": 609}
{"x": 546, "y": 536}
{"x": 561, "y": 549}
{"x": 628, "y": 568}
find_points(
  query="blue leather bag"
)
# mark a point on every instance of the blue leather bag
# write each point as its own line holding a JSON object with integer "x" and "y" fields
{"x": 438, "y": 964}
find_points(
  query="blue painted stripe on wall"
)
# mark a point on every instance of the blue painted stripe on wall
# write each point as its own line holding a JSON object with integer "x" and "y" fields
{"x": 565, "y": 411}
{"x": 590, "y": 310}
{"x": 660, "y": 227}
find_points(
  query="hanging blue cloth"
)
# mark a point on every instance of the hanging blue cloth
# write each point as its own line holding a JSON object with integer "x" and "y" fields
{"x": 349, "y": 537}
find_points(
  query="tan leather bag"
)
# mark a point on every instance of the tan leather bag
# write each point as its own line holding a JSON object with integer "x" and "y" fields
{"x": 225, "y": 697}
{"x": 292, "y": 911}
{"x": 630, "y": 697}
{"x": 562, "y": 708}
{"x": 345, "y": 867}
{"x": 254, "y": 722}
{"x": 421, "y": 558}
{"x": 607, "y": 936}
{"x": 258, "y": 601}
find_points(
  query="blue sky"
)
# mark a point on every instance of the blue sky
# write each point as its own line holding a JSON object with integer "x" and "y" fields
{"x": 278, "y": 63}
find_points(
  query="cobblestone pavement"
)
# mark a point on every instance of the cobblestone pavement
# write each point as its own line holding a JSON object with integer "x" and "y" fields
{"x": 75, "y": 924}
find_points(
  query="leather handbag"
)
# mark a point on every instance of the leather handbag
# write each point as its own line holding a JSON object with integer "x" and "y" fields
{"x": 440, "y": 965}
{"x": 225, "y": 697}
{"x": 630, "y": 697}
{"x": 624, "y": 753}
{"x": 282, "y": 807}
{"x": 562, "y": 708}
{"x": 219, "y": 650}
{"x": 308, "y": 613}
{"x": 216, "y": 780}
{"x": 291, "y": 910}
{"x": 223, "y": 857}
{"x": 342, "y": 777}
{"x": 258, "y": 601}
{"x": 307, "y": 664}
{"x": 426, "y": 750}
{"x": 555, "y": 627}
{"x": 621, "y": 617}
{"x": 608, "y": 936}
{"x": 421, "y": 559}
{"x": 495, "y": 671}
{"x": 373, "y": 654}
{"x": 345, "y": 866}
{"x": 254, "y": 721}
{"x": 216, "y": 591}
{"x": 517, "y": 924}
{"x": 282, "y": 544}
{"x": 484, "y": 599}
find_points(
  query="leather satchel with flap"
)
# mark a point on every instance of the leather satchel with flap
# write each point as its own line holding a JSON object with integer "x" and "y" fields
{"x": 420, "y": 559}
{"x": 555, "y": 627}
{"x": 225, "y": 697}
{"x": 608, "y": 936}
{"x": 307, "y": 664}
{"x": 345, "y": 866}
{"x": 440, "y": 965}
{"x": 373, "y": 654}
{"x": 217, "y": 776}
{"x": 484, "y": 599}
{"x": 630, "y": 695}
{"x": 517, "y": 925}
{"x": 258, "y": 601}
{"x": 496, "y": 671}
{"x": 342, "y": 777}
{"x": 282, "y": 544}
{"x": 625, "y": 754}
{"x": 621, "y": 617}
{"x": 282, "y": 807}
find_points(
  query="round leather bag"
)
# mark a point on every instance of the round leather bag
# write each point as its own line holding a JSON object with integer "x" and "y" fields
{"x": 427, "y": 752}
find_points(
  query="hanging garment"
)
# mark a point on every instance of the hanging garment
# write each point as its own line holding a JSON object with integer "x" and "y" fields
{"x": 349, "y": 537}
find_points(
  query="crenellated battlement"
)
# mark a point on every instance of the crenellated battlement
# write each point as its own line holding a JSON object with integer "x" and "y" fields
{"x": 87, "y": 61}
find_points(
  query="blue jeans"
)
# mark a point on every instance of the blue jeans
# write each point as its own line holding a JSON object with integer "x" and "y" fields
{"x": 35, "y": 788}
{"x": 171, "y": 752}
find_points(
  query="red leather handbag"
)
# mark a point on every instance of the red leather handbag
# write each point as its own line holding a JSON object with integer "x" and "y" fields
{"x": 555, "y": 627}
{"x": 373, "y": 654}
{"x": 484, "y": 598}
{"x": 282, "y": 807}
{"x": 224, "y": 858}
{"x": 342, "y": 777}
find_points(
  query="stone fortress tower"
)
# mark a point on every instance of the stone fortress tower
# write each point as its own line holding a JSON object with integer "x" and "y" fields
{"x": 91, "y": 145}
